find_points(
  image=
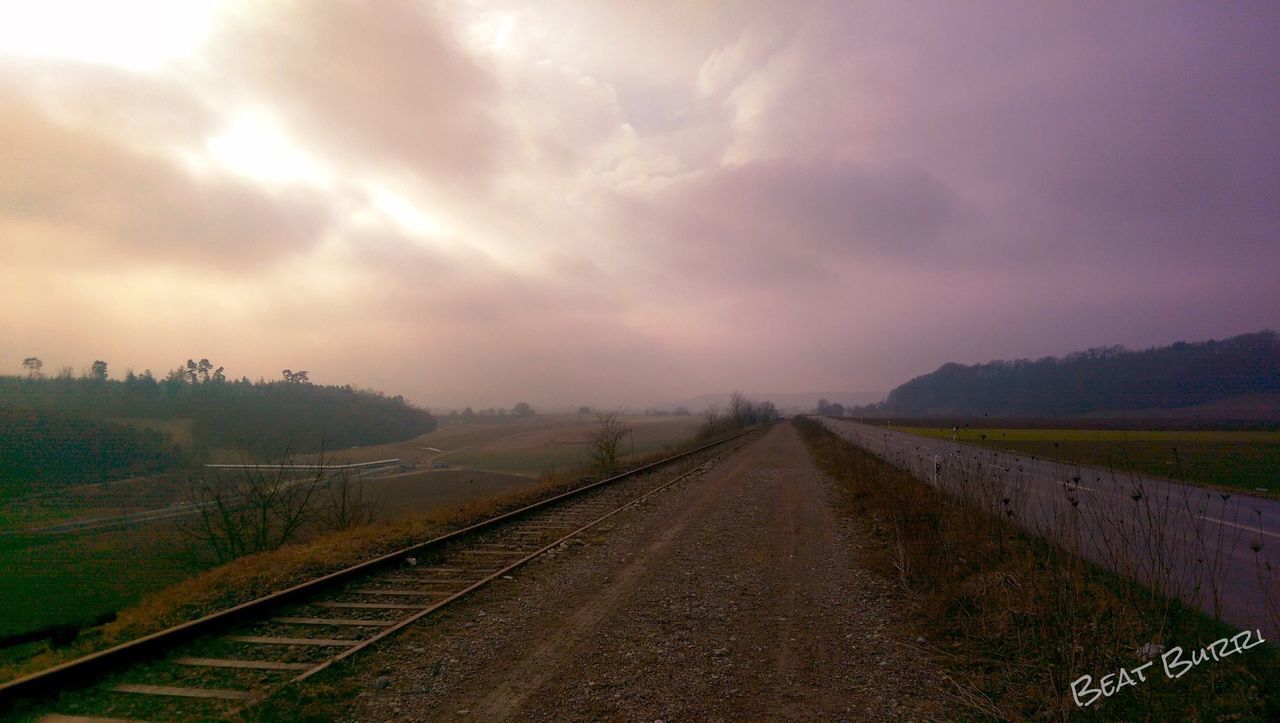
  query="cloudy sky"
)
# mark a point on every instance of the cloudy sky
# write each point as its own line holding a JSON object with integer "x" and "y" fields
{"x": 476, "y": 202}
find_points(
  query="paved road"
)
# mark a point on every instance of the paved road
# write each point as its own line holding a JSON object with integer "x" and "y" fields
{"x": 1218, "y": 551}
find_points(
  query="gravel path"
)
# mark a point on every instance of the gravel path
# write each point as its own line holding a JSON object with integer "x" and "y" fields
{"x": 734, "y": 595}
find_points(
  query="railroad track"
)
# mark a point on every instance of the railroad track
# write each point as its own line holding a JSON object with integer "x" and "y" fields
{"x": 228, "y": 661}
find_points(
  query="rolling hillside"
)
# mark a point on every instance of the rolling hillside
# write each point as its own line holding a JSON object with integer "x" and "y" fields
{"x": 1209, "y": 375}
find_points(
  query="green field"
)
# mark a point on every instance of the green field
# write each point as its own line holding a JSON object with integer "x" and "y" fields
{"x": 74, "y": 578}
{"x": 1237, "y": 459}
{"x": 65, "y": 579}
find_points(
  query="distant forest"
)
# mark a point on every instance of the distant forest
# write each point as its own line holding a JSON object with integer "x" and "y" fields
{"x": 69, "y": 450}
{"x": 89, "y": 428}
{"x": 1104, "y": 379}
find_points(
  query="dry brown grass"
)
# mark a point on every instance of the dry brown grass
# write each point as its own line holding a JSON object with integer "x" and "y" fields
{"x": 1019, "y": 619}
{"x": 257, "y": 575}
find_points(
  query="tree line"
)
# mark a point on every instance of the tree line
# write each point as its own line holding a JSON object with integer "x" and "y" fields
{"x": 38, "y": 446}
{"x": 1102, "y": 379}
{"x": 263, "y": 418}
{"x": 521, "y": 409}
{"x": 739, "y": 413}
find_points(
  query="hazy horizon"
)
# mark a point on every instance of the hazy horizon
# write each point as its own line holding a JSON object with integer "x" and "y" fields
{"x": 583, "y": 203}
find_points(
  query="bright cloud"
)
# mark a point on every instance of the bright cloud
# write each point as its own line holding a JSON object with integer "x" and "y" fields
{"x": 574, "y": 202}
{"x": 138, "y": 34}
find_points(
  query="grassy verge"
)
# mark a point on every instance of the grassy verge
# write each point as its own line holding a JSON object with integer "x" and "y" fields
{"x": 1239, "y": 460}
{"x": 43, "y": 579}
{"x": 257, "y": 575}
{"x": 1018, "y": 620}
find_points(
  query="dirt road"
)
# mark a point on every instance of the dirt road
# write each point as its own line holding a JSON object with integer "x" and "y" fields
{"x": 735, "y": 595}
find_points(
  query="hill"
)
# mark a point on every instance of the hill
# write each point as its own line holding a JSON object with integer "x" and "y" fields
{"x": 1103, "y": 381}
{"x": 66, "y": 430}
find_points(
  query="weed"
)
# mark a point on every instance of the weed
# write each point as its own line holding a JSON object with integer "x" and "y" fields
{"x": 1018, "y": 617}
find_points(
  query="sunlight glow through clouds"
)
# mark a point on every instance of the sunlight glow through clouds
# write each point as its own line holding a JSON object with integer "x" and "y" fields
{"x": 406, "y": 214}
{"x": 258, "y": 146}
{"x": 136, "y": 34}
{"x": 493, "y": 32}
{"x": 704, "y": 183}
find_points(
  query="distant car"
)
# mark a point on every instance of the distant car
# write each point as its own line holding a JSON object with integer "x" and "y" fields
{"x": 440, "y": 465}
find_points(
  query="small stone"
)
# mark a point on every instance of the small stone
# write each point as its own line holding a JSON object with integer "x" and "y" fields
{"x": 382, "y": 682}
{"x": 920, "y": 640}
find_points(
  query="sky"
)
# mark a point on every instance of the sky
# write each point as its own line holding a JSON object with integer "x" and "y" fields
{"x": 478, "y": 202}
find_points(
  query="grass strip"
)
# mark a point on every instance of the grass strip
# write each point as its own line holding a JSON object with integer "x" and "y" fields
{"x": 1016, "y": 620}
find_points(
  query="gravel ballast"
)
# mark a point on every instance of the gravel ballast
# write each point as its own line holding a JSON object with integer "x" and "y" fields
{"x": 733, "y": 595}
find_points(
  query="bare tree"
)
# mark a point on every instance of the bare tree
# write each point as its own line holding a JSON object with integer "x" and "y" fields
{"x": 767, "y": 411}
{"x": 741, "y": 410}
{"x": 606, "y": 439}
{"x": 258, "y": 508}
{"x": 713, "y": 415}
{"x": 348, "y": 503}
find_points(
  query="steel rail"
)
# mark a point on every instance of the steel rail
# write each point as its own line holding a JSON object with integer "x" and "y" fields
{"x": 80, "y": 672}
{"x": 504, "y": 571}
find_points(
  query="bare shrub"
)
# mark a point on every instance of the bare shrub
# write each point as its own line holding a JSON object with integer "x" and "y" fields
{"x": 347, "y": 502}
{"x": 712, "y": 416}
{"x": 253, "y": 508}
{"x": 605, "y": 441}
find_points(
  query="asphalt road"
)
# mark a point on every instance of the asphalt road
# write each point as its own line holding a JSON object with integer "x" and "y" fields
{"x": 1218, "y": 551}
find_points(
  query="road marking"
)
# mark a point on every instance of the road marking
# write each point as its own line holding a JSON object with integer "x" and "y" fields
{"x": 1242, "y": 527}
